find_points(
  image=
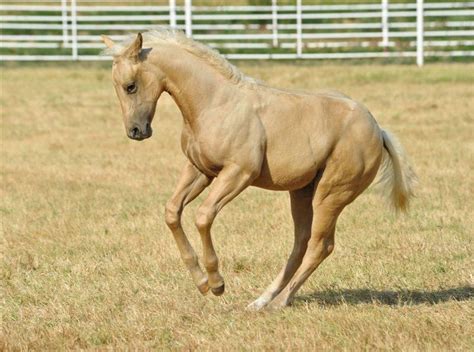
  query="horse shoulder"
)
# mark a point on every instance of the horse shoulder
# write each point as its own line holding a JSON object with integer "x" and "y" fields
{"x": 229, "y": 134}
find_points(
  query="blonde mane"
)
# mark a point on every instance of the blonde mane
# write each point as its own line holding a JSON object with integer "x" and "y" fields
{"x": 213, "y": 57}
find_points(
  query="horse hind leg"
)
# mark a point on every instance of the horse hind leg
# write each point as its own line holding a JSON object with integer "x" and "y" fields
{"x": 335, "y": 190}
{"x": 320, "y": 246}
{"x": 302, "y": 213}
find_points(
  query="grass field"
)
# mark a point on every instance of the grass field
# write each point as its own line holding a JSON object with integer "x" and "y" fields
{"x": 88, "y": 262}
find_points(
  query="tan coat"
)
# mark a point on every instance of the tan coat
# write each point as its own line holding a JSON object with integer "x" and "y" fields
{"x": 323, "y": 147}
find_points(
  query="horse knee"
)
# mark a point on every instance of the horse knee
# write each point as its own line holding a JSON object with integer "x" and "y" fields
{"x": 172, "y": 215}
{"x": 204, "y": 218}
{"x": 211, "y": 263}
{"x": 190, "y": 260}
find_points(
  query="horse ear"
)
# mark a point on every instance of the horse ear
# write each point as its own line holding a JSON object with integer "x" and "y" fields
{"x": 107, "y": 41}
{"x": 133, "y": 51}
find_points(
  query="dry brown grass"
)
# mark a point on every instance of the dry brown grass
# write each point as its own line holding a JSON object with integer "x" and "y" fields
{"x": 89, "y": 263}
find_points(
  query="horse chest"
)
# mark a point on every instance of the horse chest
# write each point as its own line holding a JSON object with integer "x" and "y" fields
{"x": 198, "y": 156}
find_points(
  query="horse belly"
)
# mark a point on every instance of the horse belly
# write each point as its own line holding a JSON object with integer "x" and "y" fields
{"x": 288, "y": 172}
{"x": 285, "y": 184}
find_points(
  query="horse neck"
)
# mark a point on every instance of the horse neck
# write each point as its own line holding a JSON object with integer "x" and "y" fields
{"x": 193, "y": 84}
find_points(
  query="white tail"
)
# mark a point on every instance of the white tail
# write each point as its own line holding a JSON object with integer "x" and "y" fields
{"x": 395, "y": 174}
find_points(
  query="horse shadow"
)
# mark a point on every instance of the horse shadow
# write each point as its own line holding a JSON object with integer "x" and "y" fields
{"x": 387, "y": 297}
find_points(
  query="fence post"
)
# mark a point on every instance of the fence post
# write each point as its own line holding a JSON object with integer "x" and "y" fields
{"x": 188, "y": 18}
{"x": 74, "y": 29}
{"x": 419, "y": 33}
{"x": 299, "y": 29}
{"x": 385, "y": 23}
{"x": 173, "y": 14}
{"x": 275, "y": 23}
{"x": 64, "y": 21}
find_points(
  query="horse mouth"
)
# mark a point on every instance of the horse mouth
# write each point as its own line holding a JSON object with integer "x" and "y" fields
{"x": 140, "y": 138}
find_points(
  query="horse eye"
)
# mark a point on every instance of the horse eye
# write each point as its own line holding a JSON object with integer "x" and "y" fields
{"x": 131, "y": 88}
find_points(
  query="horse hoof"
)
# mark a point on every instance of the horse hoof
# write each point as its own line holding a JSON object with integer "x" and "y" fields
{"x": 278, "y": 303}
{"x": 217, "y": 291}
{"x": 257, "y": 305}
{"x": 203, "y": 287}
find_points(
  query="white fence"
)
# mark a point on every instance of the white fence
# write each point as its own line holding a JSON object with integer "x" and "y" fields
{"x": 69, "y": 31}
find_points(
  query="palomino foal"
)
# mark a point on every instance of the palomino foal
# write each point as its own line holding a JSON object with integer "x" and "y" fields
{"x": 324, "y": 148}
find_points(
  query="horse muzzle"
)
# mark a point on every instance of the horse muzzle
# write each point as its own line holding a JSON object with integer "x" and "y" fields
{"x": 140, "y": 134}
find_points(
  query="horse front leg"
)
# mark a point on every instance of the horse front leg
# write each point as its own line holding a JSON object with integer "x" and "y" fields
{"x": 191, "y": 184}
{"x": 229, "y": 183}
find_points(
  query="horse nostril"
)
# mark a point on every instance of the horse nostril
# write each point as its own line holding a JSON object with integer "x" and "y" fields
{"x": 135, "y": 132}
{"x": 147, "y": 127}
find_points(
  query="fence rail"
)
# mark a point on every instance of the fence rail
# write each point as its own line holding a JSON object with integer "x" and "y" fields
{"x": 70, "y": 31}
